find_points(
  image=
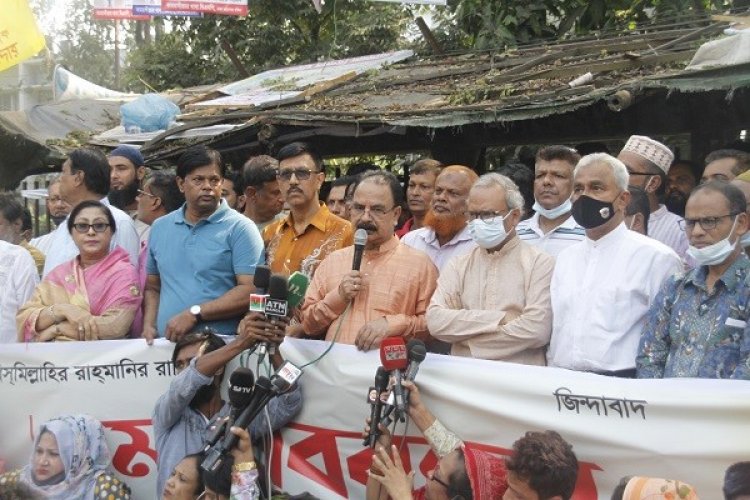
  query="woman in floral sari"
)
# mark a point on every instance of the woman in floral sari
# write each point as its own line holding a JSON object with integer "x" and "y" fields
{"x": 94, "y": 296}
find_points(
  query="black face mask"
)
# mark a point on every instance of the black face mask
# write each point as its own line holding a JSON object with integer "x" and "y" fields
{"x": 675, "y": 202}
{"x": 590, "y": 213}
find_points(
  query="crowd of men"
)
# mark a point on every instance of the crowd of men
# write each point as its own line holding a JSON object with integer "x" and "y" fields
{"x": 629, "y": 265}
{"x": 632, "y": 265}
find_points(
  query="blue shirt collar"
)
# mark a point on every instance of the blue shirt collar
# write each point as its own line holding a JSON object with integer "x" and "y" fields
{"x": 219, "y": 214}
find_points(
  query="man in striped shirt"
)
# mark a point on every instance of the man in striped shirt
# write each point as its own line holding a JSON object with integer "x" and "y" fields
{"x": 648, "y": 163}
{"x": 552, "y": 228}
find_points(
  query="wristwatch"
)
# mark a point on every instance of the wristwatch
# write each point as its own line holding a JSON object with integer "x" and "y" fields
{"x": 196, "y": 311}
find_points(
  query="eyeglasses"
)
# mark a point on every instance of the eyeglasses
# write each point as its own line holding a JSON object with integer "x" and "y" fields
{"x": 707, "y": 223}
{"x": 98, "y": 227}
{"x": 300, "y": 173}
{"x": 485, "y": 216}
{"x": 376, "y": 211}
{"x": 199, "y": 180}
{"x": 141, "y": 192}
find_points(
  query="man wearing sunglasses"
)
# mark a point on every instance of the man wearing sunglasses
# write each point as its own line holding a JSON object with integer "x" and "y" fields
{"x": 301, "y": 240}
{"x": 698, "y": 325}
{"x": 648, "y": 162}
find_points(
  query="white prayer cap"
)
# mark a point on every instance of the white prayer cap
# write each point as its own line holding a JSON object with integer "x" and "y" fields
{"x": 653, "y": 151}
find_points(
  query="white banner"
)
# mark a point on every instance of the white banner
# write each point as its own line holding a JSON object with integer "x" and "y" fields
{"x": 687, "y": 429}
{"x": 225, "y": 7}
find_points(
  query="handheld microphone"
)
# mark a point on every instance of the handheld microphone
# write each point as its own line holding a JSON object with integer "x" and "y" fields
{"x": 240, "y": 391}
{"x": 262, "y": 393}
{"x": 265, "y": 390}
{"x": 360, "y": 239}
{"x": 376, "y": 406}
{"x": 261, "y": 278}
{"x": 260, "y": 281}
{"x": 297, "y": 288}
{"x": 416, "y": 352}
{"x": 274, "y": 306}
{"x": 394, "y": 358}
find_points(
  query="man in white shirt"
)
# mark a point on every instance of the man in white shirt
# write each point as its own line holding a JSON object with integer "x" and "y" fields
{"x": 18, "y": 278}
{"x": 602, "y": 287}
{"x": 552, "y": 228}
{"x": 446, "y": 233}
{"x": 85, "y": 176}
{"x": 126, "y": 176}
{"x": 648, "y": 162}
{"x": 57, "y": 211}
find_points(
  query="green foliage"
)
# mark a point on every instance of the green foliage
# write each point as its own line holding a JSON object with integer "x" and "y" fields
{"x": 275, "y": 33}
{"x": 497, "y": 24}
{"x": 82, "y": 44}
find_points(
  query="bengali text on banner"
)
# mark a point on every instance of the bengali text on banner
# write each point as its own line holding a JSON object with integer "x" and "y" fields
{"x": 689, "y": 429}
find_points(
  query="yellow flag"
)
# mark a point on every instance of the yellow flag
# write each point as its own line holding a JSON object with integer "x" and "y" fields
{"x": 20, "y": 37}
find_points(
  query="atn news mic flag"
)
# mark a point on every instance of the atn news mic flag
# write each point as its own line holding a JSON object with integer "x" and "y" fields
{"x": 20, "y": 37}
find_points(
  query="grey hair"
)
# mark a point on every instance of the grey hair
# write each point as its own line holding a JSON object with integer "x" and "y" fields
{"x": 513, "y": 196}
{"x": 620, "y": 171}
{"x": 53, "y": 179}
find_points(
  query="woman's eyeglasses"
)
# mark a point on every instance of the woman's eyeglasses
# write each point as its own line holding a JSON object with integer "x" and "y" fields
{"x": 83, "y": 228}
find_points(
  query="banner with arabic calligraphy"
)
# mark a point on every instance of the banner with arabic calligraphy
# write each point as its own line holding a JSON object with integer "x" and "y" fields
{"x": 20, "y": 37}
{"x": 688, "y": 429}
{"x": 223, "y": 7}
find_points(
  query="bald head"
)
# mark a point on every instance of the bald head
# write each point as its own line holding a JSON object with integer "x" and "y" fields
{"x": 462, "y": 170}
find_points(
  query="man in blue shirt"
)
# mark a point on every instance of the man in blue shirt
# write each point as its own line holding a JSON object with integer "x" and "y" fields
{"x": 698, "y": 324}
{"x": 201, "y": 258}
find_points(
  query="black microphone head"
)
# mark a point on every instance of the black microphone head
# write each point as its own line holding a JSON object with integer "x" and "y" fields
{"x": 278, "y": 287}
{"x": 381, "y": 379}
{"x": 360, "y": 237}
{"x": 280, "y": 385}
{"x": 261, "y": 277}
{"x": 241, "y": 386}
{"x": 416, "y": 350}
{"x": 263, "y": 384}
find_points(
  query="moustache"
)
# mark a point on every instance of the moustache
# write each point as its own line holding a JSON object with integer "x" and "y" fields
{"x": 366, "y": 226}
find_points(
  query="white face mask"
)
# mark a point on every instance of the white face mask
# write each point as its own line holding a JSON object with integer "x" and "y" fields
{"x": 553, "y": 213}
{"x": 713, "y": 254}
{"x": 488, "y": 234}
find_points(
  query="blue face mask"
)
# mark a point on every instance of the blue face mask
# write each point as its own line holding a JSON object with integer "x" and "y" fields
{"x": 553, "y": 213}
{"x": 489, "y": 234}
{"x": 715, "y": 253}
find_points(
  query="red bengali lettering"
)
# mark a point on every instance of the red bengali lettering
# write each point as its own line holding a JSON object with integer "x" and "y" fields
{"x": 124, "y": 457}
{"x": 322, "y": 441}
